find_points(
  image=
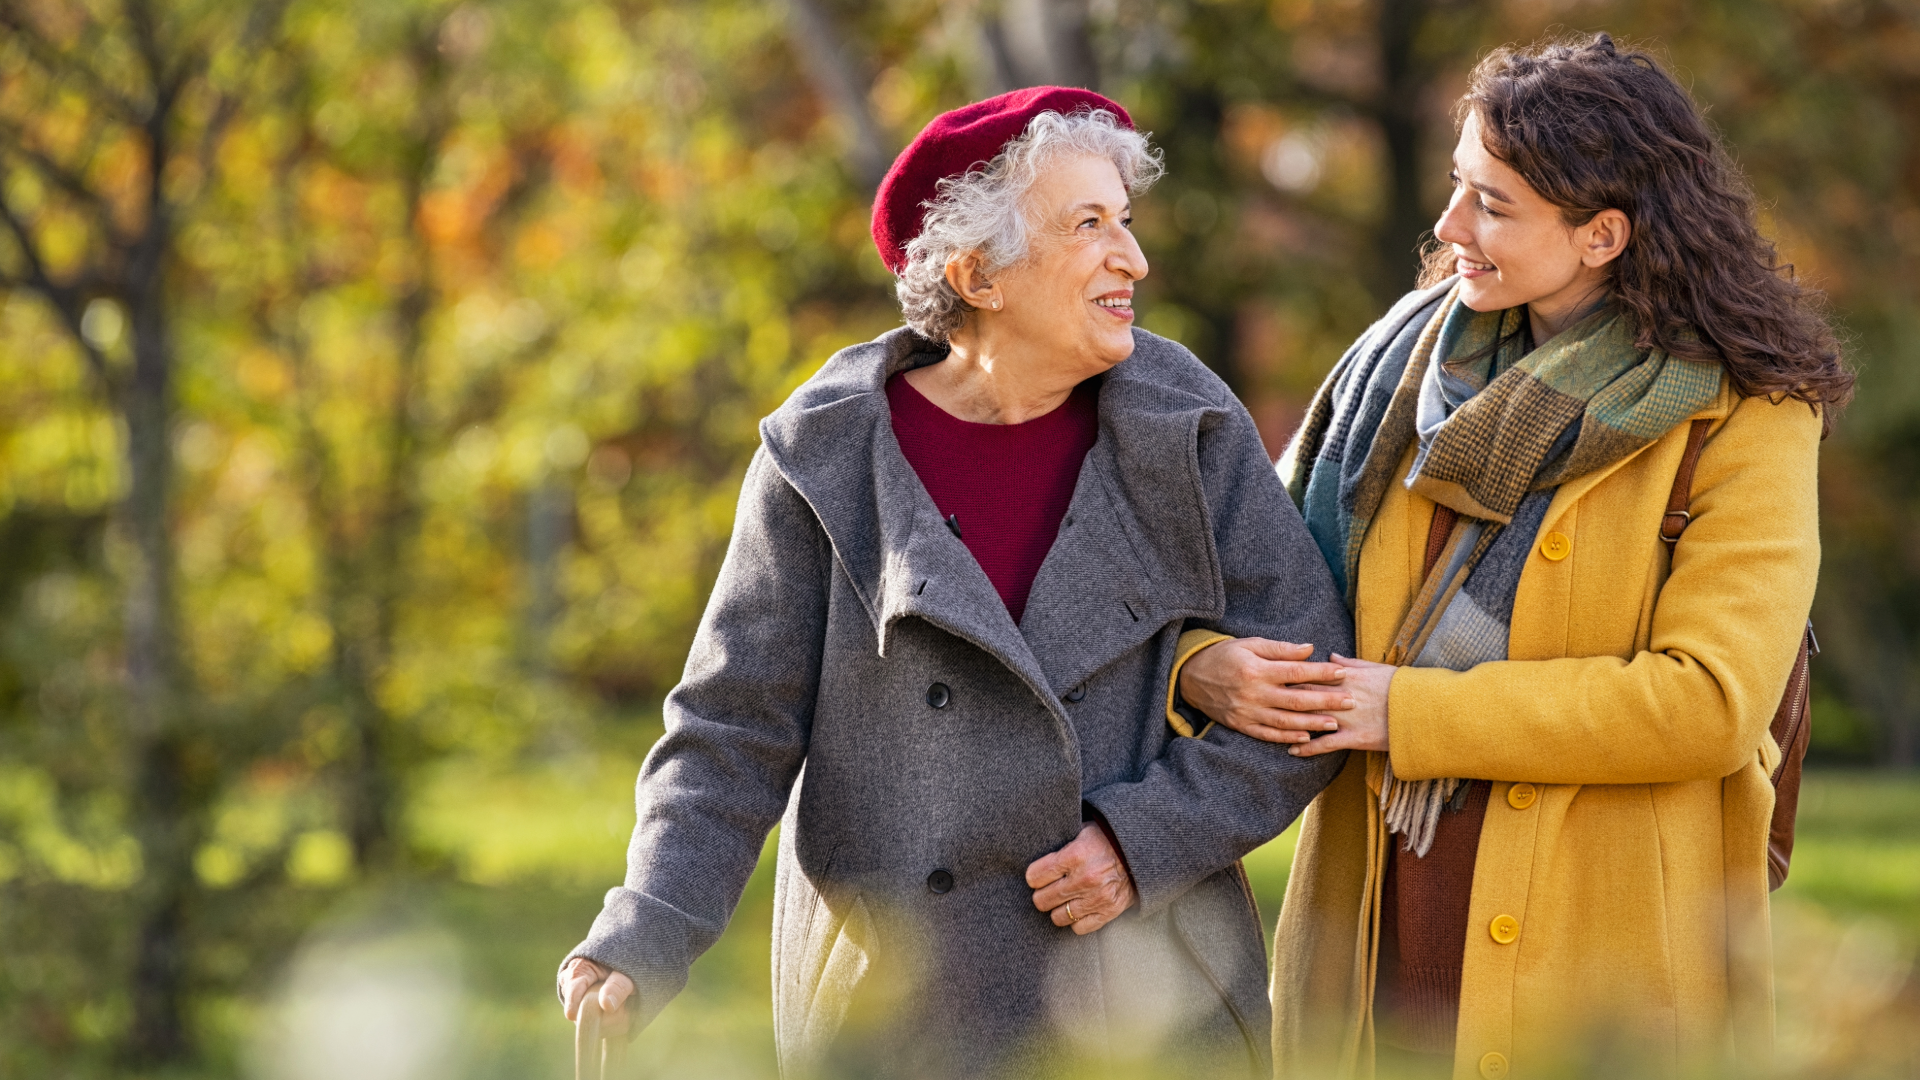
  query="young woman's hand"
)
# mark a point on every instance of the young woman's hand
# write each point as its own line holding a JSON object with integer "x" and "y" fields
{"x": 1364, "y": 726}
{"x": 1266, "y": 689}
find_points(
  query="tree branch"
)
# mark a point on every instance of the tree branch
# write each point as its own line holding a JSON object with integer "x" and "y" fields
{"x": 65, "y": 299}
{"x": 58, "y": 63}
{"x": 146, "y": 41}
{"x": 13, "y": 141}
{"x": 260, "y": 23}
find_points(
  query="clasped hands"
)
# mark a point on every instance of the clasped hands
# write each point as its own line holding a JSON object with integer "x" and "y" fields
{"x": 1269, "y": 690}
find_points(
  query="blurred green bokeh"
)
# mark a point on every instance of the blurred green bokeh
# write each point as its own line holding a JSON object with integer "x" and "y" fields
{"x": 1849, "y": 921}
{"x": 376, "y": 380}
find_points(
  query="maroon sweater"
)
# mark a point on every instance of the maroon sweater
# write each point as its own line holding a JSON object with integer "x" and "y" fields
{"x": 1004, "y": 487}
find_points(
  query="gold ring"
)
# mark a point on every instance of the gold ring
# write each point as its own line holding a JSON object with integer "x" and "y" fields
{"x": 1070, "y": 919}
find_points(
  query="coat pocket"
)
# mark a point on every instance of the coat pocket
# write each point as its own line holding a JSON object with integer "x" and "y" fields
{"x": 1218, "y": 923}
{"x": 842, "y": 966}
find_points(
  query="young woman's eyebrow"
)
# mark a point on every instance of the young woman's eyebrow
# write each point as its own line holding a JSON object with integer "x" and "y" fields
{"x": 1484, "y": 189}
{"x": 1488, "y": 189}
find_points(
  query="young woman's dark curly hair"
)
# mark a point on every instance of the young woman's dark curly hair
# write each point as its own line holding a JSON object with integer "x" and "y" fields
{"x": 1593, "y": 128}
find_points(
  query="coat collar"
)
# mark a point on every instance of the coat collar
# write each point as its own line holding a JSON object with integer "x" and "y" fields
{"x": 1135, "y": 549}
{"x": 1719, "y": 408}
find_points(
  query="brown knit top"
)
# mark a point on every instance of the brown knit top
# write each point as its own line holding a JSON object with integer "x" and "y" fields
{"x": 1423, "y": 931}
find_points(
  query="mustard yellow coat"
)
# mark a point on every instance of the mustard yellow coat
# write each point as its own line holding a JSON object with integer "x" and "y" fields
{"x": 1627, "y": 741}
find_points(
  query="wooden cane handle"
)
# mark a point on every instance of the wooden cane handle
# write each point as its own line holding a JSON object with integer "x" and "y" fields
{"x": 587, "y": 1063}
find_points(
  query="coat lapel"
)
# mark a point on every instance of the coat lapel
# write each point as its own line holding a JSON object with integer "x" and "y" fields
{"x": 1134, "y": 552}
{"x": 833, "y": 441}
{"x": 1574, "y": 490}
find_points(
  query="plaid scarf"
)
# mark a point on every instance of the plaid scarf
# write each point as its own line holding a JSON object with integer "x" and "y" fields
{"x": 1497, "y": 429}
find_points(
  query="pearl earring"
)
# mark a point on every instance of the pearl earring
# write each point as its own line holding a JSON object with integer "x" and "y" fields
{"x": 996, "y": 305}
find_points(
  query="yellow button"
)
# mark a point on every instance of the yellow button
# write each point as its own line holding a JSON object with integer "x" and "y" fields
{"x": 1494, "y": 1066}
{"x": 1521, "y": 796}
{"x": 1556, "y": 546}
{"x": 1505, "y": 929}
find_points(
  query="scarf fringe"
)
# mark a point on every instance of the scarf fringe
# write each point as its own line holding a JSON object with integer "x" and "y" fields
{"x": 1412, "y": 808}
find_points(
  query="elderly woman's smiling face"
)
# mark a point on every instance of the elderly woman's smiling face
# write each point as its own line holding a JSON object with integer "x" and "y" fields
{"x": 1071, "y": 299}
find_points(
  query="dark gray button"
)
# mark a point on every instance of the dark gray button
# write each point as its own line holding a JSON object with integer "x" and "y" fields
{"x": 1077, "y": 693}
{"x": 940, "y": 881}
{"x": 938, "y": 695}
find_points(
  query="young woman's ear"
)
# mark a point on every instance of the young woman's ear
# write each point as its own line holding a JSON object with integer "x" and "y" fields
{"x": 1604, "y": 238}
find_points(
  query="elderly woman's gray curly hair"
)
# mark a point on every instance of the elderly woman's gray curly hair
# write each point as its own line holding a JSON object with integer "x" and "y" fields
{"x": 985, "y": 210}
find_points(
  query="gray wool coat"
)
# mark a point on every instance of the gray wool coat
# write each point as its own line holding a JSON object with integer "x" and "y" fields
{"x": 856, "y": 679}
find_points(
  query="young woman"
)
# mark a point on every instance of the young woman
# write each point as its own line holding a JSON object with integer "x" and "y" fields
{"x": 1553, "y": 852}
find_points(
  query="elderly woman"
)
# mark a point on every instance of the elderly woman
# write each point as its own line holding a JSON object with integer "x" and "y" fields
{"x": 940, "y": 643}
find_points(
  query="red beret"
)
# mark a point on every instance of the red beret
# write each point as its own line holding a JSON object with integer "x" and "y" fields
{"x": 953, "y": 145}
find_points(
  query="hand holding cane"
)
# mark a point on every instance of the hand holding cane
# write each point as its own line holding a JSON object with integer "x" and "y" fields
{"x": 600, "y": 1037}
{"x": 596, "y": 1057}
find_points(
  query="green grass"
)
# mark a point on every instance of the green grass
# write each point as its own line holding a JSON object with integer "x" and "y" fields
{"x": 1857, "y": 847}
{"x": 533, "y": 852}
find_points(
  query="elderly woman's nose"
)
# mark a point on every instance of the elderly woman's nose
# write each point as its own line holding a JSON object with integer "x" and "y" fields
{"x": 1127, "y": 258}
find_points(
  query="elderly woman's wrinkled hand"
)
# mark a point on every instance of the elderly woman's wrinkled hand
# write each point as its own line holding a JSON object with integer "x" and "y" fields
{"x": 585, "y": 977}
{"x": 1084, "y": 885}
{"x": 1266, "y": 689}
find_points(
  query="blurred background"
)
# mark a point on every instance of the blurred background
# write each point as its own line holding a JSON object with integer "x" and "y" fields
{"x": 376, "y": 379}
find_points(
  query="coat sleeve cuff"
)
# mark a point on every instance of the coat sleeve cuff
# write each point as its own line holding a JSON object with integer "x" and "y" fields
{"x": 1416, "y": 740}
{"x": 1191, "y": 643}
{"x": 649, "y": 942}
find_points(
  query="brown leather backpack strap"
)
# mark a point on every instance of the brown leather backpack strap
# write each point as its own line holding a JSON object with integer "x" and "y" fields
{"x": 1677, "y": 517}
{"x": 1792, "y": 725}
{"x": 1792, "y": 730}
{"x": 1677, "y": 502}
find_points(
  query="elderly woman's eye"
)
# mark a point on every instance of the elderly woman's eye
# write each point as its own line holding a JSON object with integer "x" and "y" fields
{"x": 1090, "y": 221}
{"x": 1126, "y": 223}
{"x": 1453, "y": 178}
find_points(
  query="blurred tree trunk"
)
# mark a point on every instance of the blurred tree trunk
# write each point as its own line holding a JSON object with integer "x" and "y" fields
{"x": 1863, "y": 617}
{"x": 1405, "y": 81}
{"x": 382, "y": 572}
{"x": 170, "y": 802}
{"x": 127, "y": 263}
{"x": 1041, "y": 43}
{"x": 367, "y": 537}
{"x": 840, "y": 77}
{"x": 1190, "y": 273}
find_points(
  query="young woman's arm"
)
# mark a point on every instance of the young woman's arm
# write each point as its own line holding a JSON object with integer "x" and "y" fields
{"x": 1724, "y": 635}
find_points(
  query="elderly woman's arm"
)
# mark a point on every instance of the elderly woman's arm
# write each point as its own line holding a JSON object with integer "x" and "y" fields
{"x": 736, "y": 733}
{"x": 1209, "y": 800}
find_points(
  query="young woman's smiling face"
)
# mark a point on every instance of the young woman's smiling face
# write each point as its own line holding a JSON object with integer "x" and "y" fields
{"x": 1513, "y": 247}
